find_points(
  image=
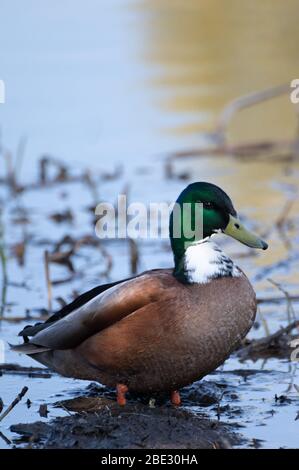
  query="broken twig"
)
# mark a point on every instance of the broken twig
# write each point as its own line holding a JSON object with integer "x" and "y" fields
{"x": 14, "y": 403}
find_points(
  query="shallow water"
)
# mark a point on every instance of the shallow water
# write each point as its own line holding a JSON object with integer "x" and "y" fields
{"x": 128, "y": 82}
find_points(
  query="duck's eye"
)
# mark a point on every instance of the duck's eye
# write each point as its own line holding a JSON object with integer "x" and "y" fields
{"x": 208, "y": 205}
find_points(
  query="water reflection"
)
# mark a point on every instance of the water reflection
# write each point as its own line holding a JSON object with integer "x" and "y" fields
{"x": 209, "y": 52}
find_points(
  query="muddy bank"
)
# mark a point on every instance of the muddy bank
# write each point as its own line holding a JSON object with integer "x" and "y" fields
{"x": 95, "y": 420}
{"x": 135, "y": 426}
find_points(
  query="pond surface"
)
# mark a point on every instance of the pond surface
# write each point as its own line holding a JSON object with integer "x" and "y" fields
{"x": 100, "y": 85}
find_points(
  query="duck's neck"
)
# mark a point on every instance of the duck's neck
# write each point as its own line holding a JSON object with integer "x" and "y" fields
{"x": 203, "y": 261}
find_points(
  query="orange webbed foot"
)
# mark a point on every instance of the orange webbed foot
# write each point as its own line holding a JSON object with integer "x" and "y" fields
{"x": 121, "y": 390}
{"x": 175, "y": 398}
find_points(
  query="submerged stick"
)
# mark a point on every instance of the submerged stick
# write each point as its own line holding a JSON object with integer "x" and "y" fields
{"x": 282, "y": 217}
{"x": 134, "y": 256}
{"x": 5, "y": 439}
{"x": 48, "y": 280}
{"x": 14, "y": 403}
{"x": 264, "y": 322}
{"x": 290, "y": 309}
{"x": 4, "y": 271}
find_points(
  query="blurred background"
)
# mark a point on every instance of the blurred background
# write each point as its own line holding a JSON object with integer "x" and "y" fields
{"x": 113, "y": 96}
{"x": 127, "y": 79}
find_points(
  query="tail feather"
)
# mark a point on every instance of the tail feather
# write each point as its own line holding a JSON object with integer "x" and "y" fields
{"x": 28, "y": 348}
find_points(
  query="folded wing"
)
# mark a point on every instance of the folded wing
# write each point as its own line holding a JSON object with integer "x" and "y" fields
{"x": 105, "y": 309}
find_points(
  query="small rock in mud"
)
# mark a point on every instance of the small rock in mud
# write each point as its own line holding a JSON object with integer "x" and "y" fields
{"x": 43, "y": 411}
{"x": 30, "y": 432}
{"x": 203, "y": 394}
{"x": 282, "y": 400}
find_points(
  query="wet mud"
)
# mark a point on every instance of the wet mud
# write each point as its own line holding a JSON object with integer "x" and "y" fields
{"x": 95, "y": 420}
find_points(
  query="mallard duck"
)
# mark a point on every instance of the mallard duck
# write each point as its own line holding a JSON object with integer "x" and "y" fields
{"x": 165, "y": 328}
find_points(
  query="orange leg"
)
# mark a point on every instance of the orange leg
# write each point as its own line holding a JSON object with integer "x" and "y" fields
{"x": 121, "y": 390}
{"x": 175, "y": 398}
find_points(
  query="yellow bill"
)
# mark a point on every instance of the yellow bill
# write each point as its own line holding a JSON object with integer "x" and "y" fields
{"x": 236, "y": 229}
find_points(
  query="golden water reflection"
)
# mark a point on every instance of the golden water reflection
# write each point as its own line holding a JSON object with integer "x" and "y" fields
{"x": 209, "y": 52}
{"x": 206, "y": 53}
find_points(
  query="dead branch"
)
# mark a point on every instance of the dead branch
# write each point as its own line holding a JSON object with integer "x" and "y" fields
{"x": 290, "y": 309}
{"x": 34, "y": 372}
{"x": 247, "y": 101}
{"x": 279, "y": 150}
{"x": 17, "y": 319}
{"x": 258, "y": 346}
{"x": 277, "y": 300}
{"x": 14, "y": 403}
{"x": 283, "y": 150}
{"x": 281, "y": 219}
{"x": 5, "y": 439}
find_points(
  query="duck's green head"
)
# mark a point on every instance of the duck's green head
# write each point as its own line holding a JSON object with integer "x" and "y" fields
{"x": 202, "y": 210}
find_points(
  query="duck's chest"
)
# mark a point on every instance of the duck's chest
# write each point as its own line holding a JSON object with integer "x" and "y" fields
{"x": 199, "y": 333}
{"x": 215, "y": 316}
